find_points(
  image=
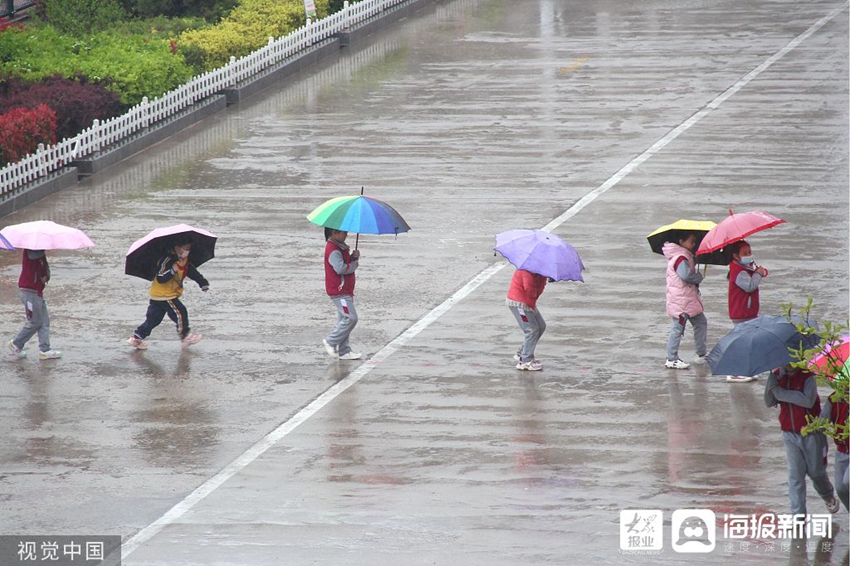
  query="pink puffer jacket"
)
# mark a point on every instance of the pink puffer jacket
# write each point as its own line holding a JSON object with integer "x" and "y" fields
{"x": 682, "y": 297}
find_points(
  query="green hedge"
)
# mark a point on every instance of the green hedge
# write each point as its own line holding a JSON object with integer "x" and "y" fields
{"x": 132, "y": 66}
{"x": 247, "y": 28}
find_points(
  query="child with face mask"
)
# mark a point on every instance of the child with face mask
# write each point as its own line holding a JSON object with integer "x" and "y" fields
{"x": 744, "y": 280}
{"x": 165, "y": 292}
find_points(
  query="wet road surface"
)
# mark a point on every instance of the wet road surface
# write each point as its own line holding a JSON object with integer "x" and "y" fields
{"x": 473, "y": 118}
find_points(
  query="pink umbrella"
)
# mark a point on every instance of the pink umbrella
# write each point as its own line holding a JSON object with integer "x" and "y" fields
{"x": 143, "y": 255}
{"x": 835, "y": 359}
{"x": 736, "y": 227}
{"x": 45, "y": 235}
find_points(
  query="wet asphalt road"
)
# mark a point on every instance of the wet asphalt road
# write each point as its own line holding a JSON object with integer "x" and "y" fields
{"x": 473, "y": 118}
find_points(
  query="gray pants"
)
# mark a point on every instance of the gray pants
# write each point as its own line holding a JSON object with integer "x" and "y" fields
{"x": 842, "y": 478}
{"x": 533, "y": 326}
{"x": 700, "y": 324}
{"x": 346, "y": 320}
{"x": 806, "y": 456}
{"x": 38, "y": 320}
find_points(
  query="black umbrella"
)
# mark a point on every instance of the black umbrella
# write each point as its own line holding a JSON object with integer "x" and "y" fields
{"x": 142, "y": 258}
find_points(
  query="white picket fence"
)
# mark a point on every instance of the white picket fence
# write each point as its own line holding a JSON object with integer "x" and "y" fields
{"x": 101, "y": 135}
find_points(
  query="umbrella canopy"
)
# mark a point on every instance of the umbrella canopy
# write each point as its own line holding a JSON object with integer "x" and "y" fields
{"x": 758, "y": 345}
{"x": 835, "y": 361}
{"x": 145, "y": 252}
{"x": 736, "y": 227}
{"x": 363, "y": 215}
{"x": 672, "y": 232}
{"x": 541, "y": 253}
{"x": 45, "y": 235}
{"x": 5, "y": 244}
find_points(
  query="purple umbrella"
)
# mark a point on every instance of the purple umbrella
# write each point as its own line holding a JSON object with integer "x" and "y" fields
{"x": 541, "y": 253}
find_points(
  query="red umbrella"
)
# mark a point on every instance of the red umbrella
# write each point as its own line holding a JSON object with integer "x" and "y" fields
{"x": 736, "y": 227}
{"x": 835, "y": 360}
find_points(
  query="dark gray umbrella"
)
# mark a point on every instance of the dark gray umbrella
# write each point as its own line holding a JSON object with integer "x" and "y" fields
{"x": 759, "y": 345}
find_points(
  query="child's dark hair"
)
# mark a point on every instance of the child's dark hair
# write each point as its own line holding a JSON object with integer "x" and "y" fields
{"x": 736, "y": 247}
{"x": 328, "y": 233}
{"x": 677, "y": 236}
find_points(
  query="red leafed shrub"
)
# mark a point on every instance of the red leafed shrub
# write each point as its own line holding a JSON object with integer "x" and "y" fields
{"x": 6, "y": 24}
{"x": 77, "y": 101}
{"x": 23, "y": 129}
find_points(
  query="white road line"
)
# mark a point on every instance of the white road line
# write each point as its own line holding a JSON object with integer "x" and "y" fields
{"x": 332, "y": 392}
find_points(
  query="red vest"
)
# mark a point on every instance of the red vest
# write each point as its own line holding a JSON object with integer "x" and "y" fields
{"x": 336, "y": 284}
{"x": 32, "y": 272}
{"x": 738, "y": 298}
{"x": 839, "y": 415}
{"x": 792, "y": 418}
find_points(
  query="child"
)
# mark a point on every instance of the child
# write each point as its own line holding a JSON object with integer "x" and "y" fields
{"x": 744, "y": 279}
{"x": 836, "y": 411}
{"x": 340, "y": 264}
{"x": 35, "y": 273}
{"x": 525, "y": 289}
{"x": 796, "y": 393}
{"x": 166, "y": 289}
{"x": 683, "y": 298}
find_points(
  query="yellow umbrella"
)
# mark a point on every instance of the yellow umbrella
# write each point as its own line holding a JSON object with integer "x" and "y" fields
{"x": 699, "y": 227}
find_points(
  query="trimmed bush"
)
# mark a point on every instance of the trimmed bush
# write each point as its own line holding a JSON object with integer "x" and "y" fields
{"x": 129, "y": 65}
{"x": 82, "y": 17}
{"x": 211, "y": 11}
{"x": 76, "y": 102}
{"x": 23, "y": 129}
{"x": 248, "y": 28}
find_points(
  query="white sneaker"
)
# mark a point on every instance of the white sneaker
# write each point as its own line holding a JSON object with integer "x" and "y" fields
{"x": 331, "y": 350}
{"x": 739, "y": 379}
{"x": 190, "y": 339}
{"x": 833, "y": 505}
{"x": 530, "y": 365}
{"x": 351, "y": 356}
{"x": 700, "y": 359}
{"x": 49, "y": 355}
{"x": 518, "y": 355}
{"x": 137, "y": 343}
{"x": 676, "y": 364}
{"x": 15, "y": 351}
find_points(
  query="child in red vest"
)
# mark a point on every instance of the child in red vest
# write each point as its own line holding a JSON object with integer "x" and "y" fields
{"x": 744, "y": 279}
{"x": 525, "y": 289}
{"x": 340, "y": 264}
{"x": 35, "y": 273}
{"x": 796, "y": 393}
{"x": 836, "y": 411}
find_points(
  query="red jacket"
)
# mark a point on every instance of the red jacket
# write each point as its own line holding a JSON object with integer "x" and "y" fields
{"x": 33, "y": 271}
{"x": 839, "y": 414}
{"x": 336, "y": 284}
{"x": 526, "y": 287}
{"x": 742, "y": 305}
{"x": 792, "y": 418}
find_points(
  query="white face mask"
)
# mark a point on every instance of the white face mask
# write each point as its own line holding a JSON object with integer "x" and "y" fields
{"x": 183, "y": 254}
{"x": 747, "y": 260}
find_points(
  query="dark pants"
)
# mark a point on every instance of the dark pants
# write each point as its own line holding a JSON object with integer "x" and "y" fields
{"x": 175, "y": 310}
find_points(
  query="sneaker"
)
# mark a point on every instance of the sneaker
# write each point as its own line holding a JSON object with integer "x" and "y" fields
{"x": 518, "y": 355}
{"x": 700, "y": 359}
{"x": 331, "y": 350}
{"x": 351, "y": 356}
{"x": 190, "y": 339}
{"x": 739, "y": 379}
{"x": 530, "y": 365}
{"x": 15, "y": 351}
{"x": 137, "y": 343}
{"x": 676, "y": 364}
{"x": 49, "y": 355}
{"x": 833, "y": 505}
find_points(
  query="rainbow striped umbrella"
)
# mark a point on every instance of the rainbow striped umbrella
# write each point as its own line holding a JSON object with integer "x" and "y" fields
{"x": 359, "y": 214}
